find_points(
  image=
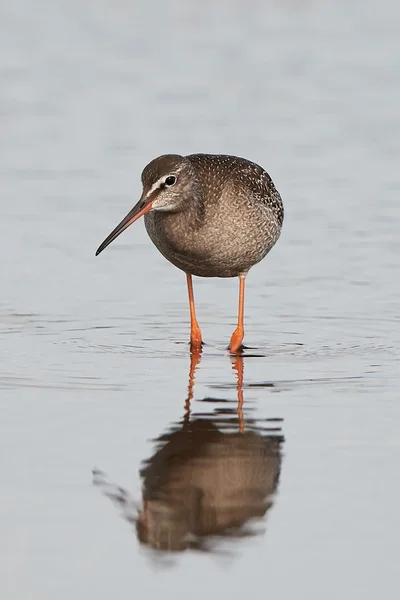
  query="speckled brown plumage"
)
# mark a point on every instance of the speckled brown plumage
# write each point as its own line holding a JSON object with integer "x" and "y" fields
{"x": 229, "y": 215}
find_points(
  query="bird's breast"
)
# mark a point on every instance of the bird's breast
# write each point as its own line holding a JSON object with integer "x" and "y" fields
{"x": 222, "y": 245}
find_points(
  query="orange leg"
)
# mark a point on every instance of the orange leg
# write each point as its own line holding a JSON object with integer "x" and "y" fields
{"x": 237, "y": 336}
{"x": 195, "y": 332}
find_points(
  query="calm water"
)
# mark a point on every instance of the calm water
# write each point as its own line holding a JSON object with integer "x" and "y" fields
{"x": 283, "y": 485}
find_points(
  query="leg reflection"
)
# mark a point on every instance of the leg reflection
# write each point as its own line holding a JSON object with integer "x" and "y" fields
{"x": 237, "y": 365}
{"x": 195, "y": 358}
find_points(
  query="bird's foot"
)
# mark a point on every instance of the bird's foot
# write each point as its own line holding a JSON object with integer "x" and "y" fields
{"x": 196, "y": 342}
{"x": 195, "y": 346}
{"x": 236, "y": 346}
{"x": 237, "y": 351}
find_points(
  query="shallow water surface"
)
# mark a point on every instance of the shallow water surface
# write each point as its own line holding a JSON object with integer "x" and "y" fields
{"x": 127, "y": 466}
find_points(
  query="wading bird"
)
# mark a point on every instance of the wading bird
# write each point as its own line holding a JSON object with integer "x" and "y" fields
{"x": 210, "y": 216}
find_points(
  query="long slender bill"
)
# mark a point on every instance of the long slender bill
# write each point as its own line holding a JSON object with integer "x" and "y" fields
{"x": 140, "y": 209}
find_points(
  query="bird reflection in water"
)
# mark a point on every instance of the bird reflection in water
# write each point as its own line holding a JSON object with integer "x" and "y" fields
{"x": 211, "y": 476}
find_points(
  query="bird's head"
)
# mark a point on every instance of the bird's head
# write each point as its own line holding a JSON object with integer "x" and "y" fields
{"x": 167, "y": 182}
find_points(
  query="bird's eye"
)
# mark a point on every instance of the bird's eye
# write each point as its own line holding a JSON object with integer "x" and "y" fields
{"x": 170, "y": 180}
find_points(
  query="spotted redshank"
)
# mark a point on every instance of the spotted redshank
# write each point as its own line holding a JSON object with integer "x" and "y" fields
{"x": 210, "y": 216}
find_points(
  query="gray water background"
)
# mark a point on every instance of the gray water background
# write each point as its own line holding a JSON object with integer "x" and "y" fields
{"x": 94, "y": 361}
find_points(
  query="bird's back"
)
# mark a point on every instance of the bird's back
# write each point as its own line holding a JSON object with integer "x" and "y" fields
{"x": 231, "y": 177}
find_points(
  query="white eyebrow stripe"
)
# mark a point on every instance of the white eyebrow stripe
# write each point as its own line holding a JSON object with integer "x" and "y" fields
{"x": 155, "y": 186}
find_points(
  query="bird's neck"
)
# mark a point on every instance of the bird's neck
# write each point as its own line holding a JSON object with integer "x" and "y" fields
{"x": 192, "y": 209}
